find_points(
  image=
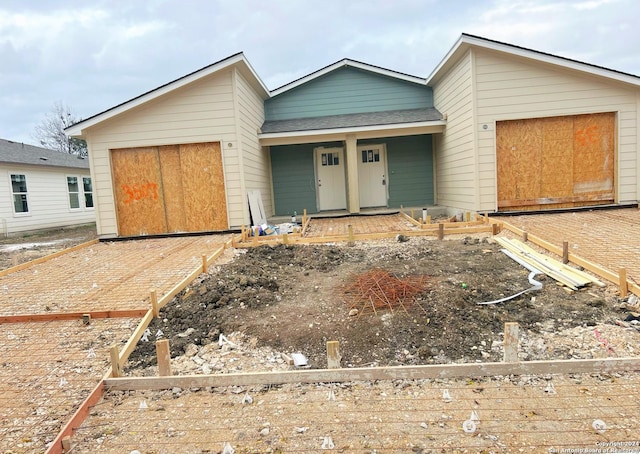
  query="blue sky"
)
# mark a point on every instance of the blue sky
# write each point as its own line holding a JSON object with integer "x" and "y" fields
{"x": 94, "y": 55}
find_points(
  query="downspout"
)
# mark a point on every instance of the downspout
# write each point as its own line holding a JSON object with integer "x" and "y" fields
{"x": 240, "y": 150}
{"x": 476, "y": 125}
{"x": 637, "y": 146}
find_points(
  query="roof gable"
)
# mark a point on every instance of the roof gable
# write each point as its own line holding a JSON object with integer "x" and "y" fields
{"x": 340, "y": 64}
{"x": 347, "y": 89}
{"x": 20, "y": 153}
{"x": 466, "y": 42}
{"x": 237, "y": 60}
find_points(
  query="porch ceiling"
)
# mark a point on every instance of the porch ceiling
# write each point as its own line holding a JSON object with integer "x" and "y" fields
{"x": 362, "y": 125}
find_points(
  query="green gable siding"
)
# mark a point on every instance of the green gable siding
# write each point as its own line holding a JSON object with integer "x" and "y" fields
{"x": 410, "y": 166}
{"x": 347, "y": 91}
{"x": 293, "y": 178}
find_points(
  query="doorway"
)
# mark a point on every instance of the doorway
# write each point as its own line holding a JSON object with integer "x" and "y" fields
{"x": 330, "y": 174}
{"x": 372, "y": 176}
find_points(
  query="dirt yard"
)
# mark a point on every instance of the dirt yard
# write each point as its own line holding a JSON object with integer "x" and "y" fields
{"x": 292, "y": 299}
{"x": 23, "y": 248}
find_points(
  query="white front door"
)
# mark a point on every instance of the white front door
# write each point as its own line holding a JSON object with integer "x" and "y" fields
{"x": 372, "y": 176}
{"x": 332, "y": 194}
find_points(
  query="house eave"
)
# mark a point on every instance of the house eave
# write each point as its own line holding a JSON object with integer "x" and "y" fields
{"x": 78, "y": 129}
{"x": 465, "y": 42}
{"x": 360, "y": 132}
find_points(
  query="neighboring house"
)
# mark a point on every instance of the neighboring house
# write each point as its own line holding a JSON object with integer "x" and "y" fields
{"x": 495, "y": 127}
{"x": 42, "y": 189}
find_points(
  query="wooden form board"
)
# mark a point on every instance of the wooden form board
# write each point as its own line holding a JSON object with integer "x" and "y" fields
{"x": 556, "y": 162}
{"x": 437, "y": 371}
{"x": 169, "y": 189}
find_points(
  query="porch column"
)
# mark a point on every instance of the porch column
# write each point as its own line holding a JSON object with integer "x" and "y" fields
{"x": 353, "y": 196}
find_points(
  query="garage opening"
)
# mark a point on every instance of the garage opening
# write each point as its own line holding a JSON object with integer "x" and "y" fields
{"x": 556, "y": 162}
{"x": 169, "y": 189}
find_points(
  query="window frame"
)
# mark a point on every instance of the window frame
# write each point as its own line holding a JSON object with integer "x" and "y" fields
{"x": 77, "y": 193}
{"x": 84, "y": 193}
{"x": 13, "y": 194}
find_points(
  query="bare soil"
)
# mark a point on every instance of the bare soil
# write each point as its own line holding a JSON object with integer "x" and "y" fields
{"x": 291, "y": 299}
{"x": 19, "y": 249}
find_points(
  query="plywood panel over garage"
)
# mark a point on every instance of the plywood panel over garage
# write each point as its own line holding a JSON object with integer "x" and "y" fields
{"x": 169, "y": 189}
{"x": 556, "y": 162}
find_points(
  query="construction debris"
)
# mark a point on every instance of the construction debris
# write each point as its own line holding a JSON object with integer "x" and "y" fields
{"x": 378, "y": 289}
{"x": 566, "y": 275}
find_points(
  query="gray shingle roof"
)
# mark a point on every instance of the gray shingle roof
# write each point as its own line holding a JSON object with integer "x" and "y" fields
{"x": 352, "y": 120}
{"x": 21, "y": 153}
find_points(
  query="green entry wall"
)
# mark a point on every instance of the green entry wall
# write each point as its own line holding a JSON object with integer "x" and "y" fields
{"x": 293, "y": 179}
{"x": 410, "y": 167}
{"x": 409, "y": 162}
{"x": 347, "y": 91}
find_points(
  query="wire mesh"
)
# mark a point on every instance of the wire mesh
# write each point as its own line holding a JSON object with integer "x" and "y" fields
{"x": 48, "y": 369}
{"x": 384, "y": 416}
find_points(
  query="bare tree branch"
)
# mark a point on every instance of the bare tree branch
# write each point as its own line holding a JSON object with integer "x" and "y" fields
{"x": 50, "y": 131}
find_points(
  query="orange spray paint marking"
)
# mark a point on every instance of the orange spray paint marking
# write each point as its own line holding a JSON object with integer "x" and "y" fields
{"x": 587, "y": 135}
{"x": 136, "y": 192}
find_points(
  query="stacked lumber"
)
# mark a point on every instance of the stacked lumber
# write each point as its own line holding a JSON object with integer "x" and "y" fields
{"x": 564, "y": 274}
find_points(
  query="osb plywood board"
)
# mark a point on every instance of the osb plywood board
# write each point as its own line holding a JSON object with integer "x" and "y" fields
{"x": 555, "y": 162}
{"x": 172, "y": 188}
{"x": 593, "y": 148}
{"x": 138, "y": 191}
{"x": 203, "y": 184}
{"x": 167, "y": 189}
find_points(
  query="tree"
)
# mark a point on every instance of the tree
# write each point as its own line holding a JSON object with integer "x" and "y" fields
{"x": 50, "y": 131}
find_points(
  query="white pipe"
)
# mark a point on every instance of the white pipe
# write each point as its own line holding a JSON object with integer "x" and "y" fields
{"x": 535, "y": 285}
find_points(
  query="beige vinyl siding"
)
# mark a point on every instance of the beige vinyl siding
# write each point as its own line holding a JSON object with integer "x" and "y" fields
{"x": 47, "y": 198}
{"x": 255, "y": 162}
{"x": 199, "y": 112}
{"x": 509, "y": 88}
{"x": 455, "y": 152}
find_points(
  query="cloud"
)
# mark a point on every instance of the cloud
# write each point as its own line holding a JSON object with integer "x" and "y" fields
{"x": 94, "y": 57}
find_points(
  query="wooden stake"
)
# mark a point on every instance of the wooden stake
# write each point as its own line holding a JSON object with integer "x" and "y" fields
{"x": 428, "y": 219}
{"x": 154, "y": 304}
{"x": 164, "y": 358}
{"x": 205, "y": 265}
{"x": 66, "y": 443}
{"x": 287, "y": 359}
{"x": 304, "y": 217}
{"x": 494, "y": 229}
{"x": 256, "y": 232}
{"x": 351, "y": 241}
{"x": 467, "y": 216}
{"x": 285, "y": 238}
{"x": 441, "y": 231}
{"x": 412, "y": 212}
{"x": 511, "y": 341}
{"x": 525, "y": 236}
{"x": 565, "y": 252}
{"x": 333, "y": 355}
{"x": 86, "y": 319}
{"x": 622, "y": 281}
{"x": 116, "y": 371}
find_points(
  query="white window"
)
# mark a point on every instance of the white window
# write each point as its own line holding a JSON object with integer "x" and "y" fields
{"x": 88, "y": 192}
{"x": 74, "y": 193}
{"x": 20, "y": 196}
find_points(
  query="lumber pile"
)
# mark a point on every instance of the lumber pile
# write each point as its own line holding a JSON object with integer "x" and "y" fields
{"x": 564, "y": 274}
